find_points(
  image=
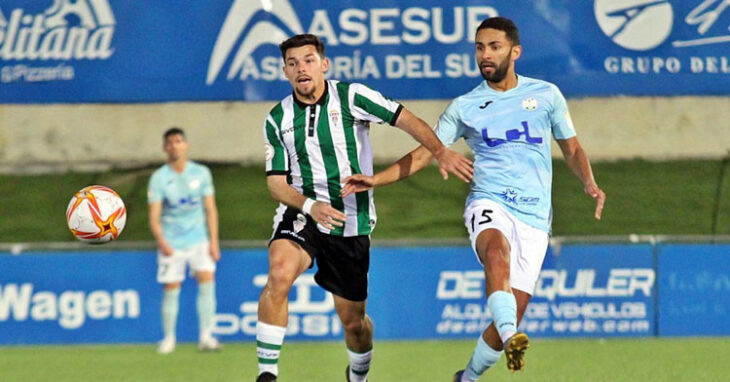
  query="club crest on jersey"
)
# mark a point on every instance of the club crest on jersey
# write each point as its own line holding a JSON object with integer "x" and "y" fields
{"x": 299, "y": 223}
{"x": 529, "y": 104}
{"x": 334, "y": 117}
{"x": 194, "y": 184}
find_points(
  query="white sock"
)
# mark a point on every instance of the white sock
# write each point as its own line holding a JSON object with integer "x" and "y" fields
{"x": 269, "y": 339}
{"x": 170, "y": 304}
{"x": 359, "y": 365}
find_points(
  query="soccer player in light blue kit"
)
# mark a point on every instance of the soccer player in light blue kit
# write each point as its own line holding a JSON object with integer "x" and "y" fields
{"x": 184, "y": 221}
{"x": 507, "y": 121}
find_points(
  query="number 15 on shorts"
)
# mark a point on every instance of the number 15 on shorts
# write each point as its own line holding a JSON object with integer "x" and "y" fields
{"x": 483, "y": 218}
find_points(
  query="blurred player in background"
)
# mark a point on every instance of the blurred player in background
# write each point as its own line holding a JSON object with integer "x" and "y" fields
{"x": 507, "y": 121}
{"x": 314, "y": 139}
{"x": 184, "y": 221}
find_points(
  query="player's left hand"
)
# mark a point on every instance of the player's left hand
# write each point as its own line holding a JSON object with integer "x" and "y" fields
{"x": 357, "y": 183}
{"x": 598, "y": 195}
{"x": 215, "y": 251}
{"x": 453, "y": 162}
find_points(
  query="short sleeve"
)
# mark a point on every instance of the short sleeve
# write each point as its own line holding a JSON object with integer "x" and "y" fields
{"x": 370, "y": 105}
{"x": 208, "y": 189}
{"x": 154, "y": 189}
{"x": 450, "y": 128}
{"x": 277, "y": 161}
{"x": 562, "y": 124}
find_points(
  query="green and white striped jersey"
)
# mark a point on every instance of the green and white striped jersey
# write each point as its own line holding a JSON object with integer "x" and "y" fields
{"x": 321, "y": 144}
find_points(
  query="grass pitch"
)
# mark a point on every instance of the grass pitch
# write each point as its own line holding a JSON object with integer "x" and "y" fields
{"x": 685, "y": 359}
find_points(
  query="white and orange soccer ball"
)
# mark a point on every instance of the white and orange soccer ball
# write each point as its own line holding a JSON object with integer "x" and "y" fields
{"x": 96, "y": 215}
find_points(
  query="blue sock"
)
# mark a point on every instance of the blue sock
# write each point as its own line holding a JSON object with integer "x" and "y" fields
{"x": 205, "y": 304}
{"x": 504, "y": 311}
{"x": 482, "y": 359}
{"x": 170, "y": 300}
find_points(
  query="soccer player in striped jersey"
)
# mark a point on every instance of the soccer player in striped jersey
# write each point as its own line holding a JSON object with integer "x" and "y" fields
{"x": 507, "y": 121}
{"x": 314, "y": 139}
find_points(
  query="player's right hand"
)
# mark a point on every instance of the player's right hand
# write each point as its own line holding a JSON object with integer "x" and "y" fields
{"x": 166, "y": 249}
{"x": 327, "y": 216}
{"x": 455, "y": 163}
{"x": 357, "y": 183}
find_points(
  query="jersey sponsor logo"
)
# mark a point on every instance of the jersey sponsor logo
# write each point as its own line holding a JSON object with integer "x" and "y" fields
{"x": 512, "y": 197}
{"x": 64, "y": 32}
{"x": 251, "y": 24}
{"x": 187, "y": 201}
{"x": 70, "y": 308}
{"x": 635, "y": 24}
{"x": 511, "y": 135}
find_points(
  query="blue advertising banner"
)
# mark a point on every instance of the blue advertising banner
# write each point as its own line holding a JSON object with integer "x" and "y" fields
{"x": 112, "y": 297}
{"x": 195, "y": 50}
{"x": 694, "y": 286}
{"x": 584, "y": 291}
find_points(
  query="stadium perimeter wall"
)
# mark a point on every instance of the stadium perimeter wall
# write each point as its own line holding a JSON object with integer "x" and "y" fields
{"x": 98, "y": 136}
{"x": 638, "y": 289}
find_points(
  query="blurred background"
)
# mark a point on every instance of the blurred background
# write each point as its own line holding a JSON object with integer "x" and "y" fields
{"x": 87, "y": 88}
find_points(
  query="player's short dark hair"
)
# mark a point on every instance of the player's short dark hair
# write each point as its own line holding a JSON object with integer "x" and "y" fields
{"x": 302, "y": 40}
{"x": 502, "y": 24}
{"x": 173, "y": 131}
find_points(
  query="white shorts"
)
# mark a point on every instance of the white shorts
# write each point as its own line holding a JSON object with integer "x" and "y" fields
{"x": 528, "y": 244}
{"x": 171, "y": 269}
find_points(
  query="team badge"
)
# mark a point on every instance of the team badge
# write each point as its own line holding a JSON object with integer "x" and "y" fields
{"x": 299, "y": 223}
{"x": 194, "y": 184}
{"x": 334, "y": 117}
{"x": 529, "y": 104}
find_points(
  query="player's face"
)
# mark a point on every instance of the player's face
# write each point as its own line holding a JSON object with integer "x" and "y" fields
{"x": 305, "y": 69}
{"x": 495, "y": 54}
{"x": 176, "y": 147}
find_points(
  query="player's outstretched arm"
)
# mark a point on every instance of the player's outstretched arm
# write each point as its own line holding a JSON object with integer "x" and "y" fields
{"x": 578, "y": 163}
{"x": 410, "y": 164}
{"x": 449, "y": 161}
{"x": 322, "y": 213}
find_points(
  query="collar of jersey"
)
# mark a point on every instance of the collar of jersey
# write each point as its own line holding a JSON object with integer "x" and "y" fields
{"x": 321, "y": 101}
{"x": 520, "y": 80}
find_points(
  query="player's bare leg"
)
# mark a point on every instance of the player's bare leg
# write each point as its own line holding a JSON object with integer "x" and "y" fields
{"x": 358, "y": 337}
{"x": 287, "y": 260}
{"x": 493, "y": 249}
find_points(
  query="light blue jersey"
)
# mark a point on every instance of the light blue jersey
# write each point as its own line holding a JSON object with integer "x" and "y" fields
{"x": 509, "y": 134}
{"x": 181, "y": 194}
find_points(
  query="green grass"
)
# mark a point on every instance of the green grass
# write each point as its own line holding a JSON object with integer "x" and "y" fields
{"x": 691, "y": 359}
{"x": 677, "y": 197}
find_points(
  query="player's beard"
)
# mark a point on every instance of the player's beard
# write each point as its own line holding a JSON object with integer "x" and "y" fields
{"x": 307, "y": 92}
{"x": 500, "y": 71}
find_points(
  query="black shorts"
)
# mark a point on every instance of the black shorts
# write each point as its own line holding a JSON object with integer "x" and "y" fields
{"x": 342, "y": 262}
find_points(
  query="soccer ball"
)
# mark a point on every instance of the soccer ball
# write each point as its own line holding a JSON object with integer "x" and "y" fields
{"x": 96, "y": 215}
